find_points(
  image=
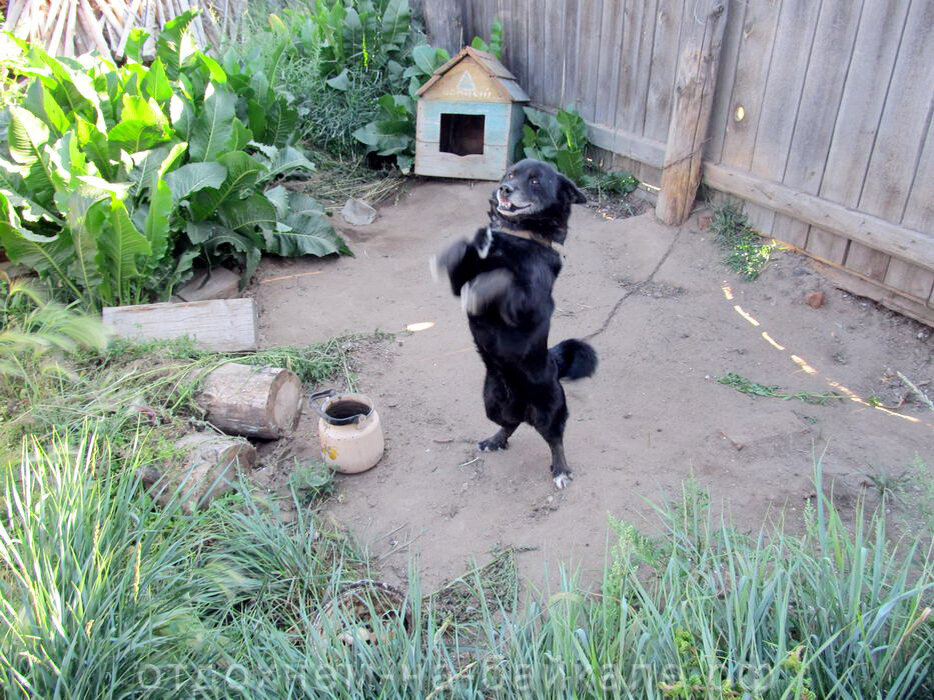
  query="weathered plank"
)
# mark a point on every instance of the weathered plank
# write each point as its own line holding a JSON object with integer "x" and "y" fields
{"x": 697, "y": 76}
{"x": 444, "y": 20}
{"x": 729, "y": 56}
{"x": 820, "y": 99}
{"x": 791, "y": 50}
{"x": 919, "y": 210}
{"x": 554, "y": 51}
{"x": 569, "y": 48}
{"x": 863, "y": 99}
{"x": 752, "y": 72}
{"x": 216, "y": 324}
{"x": 608, "y": 65}
{"x": 907, "y": 112}
{"x": 538, "y": 57}
{"x": 852, "y": 282}
{"x": 586, "y": 85}
{"x": 636, "y": 58}
{"x": 662, "y": 69}
{"x": 894, "y": 239}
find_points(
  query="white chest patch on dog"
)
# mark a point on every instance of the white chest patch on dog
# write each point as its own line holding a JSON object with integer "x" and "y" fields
{"x": 484, "y": 249}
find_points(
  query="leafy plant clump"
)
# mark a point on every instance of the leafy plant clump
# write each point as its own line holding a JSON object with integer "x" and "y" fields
{"x": 747, "y": 252}
{"x": 559, "y": 139}
{"x": 114, "y": 180}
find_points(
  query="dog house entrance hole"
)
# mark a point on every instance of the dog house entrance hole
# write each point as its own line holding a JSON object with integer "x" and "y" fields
{"x": 462, "y": 134}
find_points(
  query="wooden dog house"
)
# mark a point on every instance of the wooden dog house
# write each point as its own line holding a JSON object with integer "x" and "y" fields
{"x": 469, "y": 118}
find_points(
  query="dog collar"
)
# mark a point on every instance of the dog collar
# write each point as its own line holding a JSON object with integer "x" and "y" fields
{"x": 527, "y": 235}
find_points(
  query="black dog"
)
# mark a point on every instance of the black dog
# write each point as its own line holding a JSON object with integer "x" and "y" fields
{"x": 504, "y": 278}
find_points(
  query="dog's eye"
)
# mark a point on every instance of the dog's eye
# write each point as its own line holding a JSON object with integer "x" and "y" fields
{"x": 534, "y": 180}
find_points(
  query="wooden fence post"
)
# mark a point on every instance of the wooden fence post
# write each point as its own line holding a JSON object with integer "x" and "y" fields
{"x": 690, "y": 114}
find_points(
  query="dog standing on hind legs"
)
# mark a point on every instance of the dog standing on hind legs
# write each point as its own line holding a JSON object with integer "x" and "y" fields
{"x": 504, "y": 277}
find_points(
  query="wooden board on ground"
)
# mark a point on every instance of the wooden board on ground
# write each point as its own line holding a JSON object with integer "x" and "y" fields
{"x": 216, "y": 324}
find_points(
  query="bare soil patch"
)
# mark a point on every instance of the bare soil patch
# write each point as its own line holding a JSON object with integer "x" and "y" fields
{"x": 667, "y": 320}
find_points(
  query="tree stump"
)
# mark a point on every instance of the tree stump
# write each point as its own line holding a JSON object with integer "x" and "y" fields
{"x": 258, "y": 402}
{"x": 207, "y": 470}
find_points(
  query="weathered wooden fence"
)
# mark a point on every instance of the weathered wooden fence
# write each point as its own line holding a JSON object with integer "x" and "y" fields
{"x": 820, "y": 114}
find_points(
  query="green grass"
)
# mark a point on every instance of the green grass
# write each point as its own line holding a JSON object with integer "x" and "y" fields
{"x": 747, "y": 251}
{"x": 746, "y": 386}
{"x": 106, "y": 596}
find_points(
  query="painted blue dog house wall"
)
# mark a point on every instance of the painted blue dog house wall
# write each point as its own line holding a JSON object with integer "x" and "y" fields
{"x": 469, "y": 118}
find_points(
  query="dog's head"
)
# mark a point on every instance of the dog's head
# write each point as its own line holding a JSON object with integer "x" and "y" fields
{"x": 533, "y": 196}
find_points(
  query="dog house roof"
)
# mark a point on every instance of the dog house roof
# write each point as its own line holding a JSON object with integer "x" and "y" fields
{"x": 474, "y": 75}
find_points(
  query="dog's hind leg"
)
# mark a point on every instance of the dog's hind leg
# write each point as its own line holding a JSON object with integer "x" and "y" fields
{"x": 549, "y": 423}
{"x": 501, "y": 408}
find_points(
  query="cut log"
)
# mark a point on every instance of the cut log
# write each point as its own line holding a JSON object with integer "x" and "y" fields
{"x": 261, "y": 402}
{"x": 216, "y": 324}
{"x": 207, "y": 470}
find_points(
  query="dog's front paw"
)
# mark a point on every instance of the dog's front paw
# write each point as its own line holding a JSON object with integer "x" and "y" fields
{"x": 483, "y": 290}
{"x": 562, "y": 480}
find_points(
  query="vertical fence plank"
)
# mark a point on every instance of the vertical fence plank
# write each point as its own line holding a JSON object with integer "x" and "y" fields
{"x": 752, "y": 73}
{"x": 608, "y": 65}
{"x": 820, "y": 98}
{"x": 697, "y": 75}
{"x": 791, "y": 51}
{"x": 662, "y": 68}
{"x": 635, "y": 57}
{"x": 726, "y": 73}
{"x": 586, "y": 85}
{"x": 864, "y": 94}
{"x": 553, "y": 52}
{"x": 569, "y": 48}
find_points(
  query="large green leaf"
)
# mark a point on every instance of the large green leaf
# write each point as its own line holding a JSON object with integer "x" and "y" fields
{"x": 156, "y": 83}
{"x": 243, "y": 172}
{"x": 14, "y": 187}
{"x": 174, "y": 44}
{"x": 134, "y": 135}
{"x": 309, "y": 232}
{"x": 84, "y": 219}
{"x": 40, "y": 102}
{"x": 282, "y": 161}
{"x": 156, "y": 228}
{"x": 396, "y": 20}
{"x": 248, "y": 249}
{"x": 281, "y": 120}
{"x": 212, "y": 129}
{"x": 193, "y": 177}
{"x": 50, "y": 256}
{"x": 72, "y": 89}
{"x": 28, "y": 144}
{"x": 134, "y": 44}
{"x": 26, "y": 136}
{"x": 119, "y": 244}
{"x": 137, "y": 108}
{"x": 95, "y": 145}
{"x": 248, "y": 214}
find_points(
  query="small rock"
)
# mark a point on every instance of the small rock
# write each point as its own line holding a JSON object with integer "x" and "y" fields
{"x": 704, "y": 221}
{"x": 800, "y": 272}
{"x": 815, "y": 299}
{"x": 358, "y": 213}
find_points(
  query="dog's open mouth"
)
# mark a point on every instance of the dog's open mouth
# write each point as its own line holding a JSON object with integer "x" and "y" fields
{"x": 504, "y": 206}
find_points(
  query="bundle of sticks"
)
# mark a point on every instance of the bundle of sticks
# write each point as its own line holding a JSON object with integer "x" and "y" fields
{"x": 74, "y": 27}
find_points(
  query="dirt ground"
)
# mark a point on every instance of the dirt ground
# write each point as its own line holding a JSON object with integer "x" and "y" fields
{"x": 666, "y": 317}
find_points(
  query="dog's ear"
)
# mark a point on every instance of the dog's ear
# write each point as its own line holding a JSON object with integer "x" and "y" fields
{"x": 571, "y": 190}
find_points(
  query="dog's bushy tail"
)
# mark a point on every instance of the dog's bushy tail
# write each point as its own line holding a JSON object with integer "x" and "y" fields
{"x": 575, "y": 359}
